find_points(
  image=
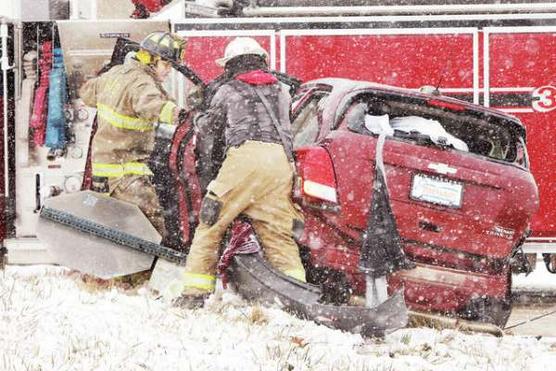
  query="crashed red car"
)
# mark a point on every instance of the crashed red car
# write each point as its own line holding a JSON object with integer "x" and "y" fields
{"x": 459, "y": 183}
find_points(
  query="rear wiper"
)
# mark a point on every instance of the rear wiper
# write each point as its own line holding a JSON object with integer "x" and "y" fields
{"x": 413, "y": 135}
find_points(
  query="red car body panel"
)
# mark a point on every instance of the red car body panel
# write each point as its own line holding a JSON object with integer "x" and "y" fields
{"x": 447, "y": 290}
{"x": 402, "y": 161}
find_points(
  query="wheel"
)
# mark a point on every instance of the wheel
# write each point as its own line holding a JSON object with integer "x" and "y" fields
{"x": 489, "y": 310}
{"x": 334, "y": 285}
{"x": 369, "y": 332}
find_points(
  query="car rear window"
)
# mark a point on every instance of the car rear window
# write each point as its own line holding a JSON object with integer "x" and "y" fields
{"x": 447, "y": 126}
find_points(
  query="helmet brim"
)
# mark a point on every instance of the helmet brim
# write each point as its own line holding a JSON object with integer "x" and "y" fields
{"x": 222, "y": 61}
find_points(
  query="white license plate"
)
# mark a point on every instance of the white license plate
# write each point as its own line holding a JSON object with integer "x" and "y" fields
{"x": 436, "y": 190}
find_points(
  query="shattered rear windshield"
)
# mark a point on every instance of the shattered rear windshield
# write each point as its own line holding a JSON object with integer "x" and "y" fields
{"x": 461, "y": 130}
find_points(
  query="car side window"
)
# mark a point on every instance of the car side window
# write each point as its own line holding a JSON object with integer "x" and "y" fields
{"x": 305, "y": 125}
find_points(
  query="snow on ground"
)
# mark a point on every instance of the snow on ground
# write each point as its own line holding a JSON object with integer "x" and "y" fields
{"x": 51, "y": 320}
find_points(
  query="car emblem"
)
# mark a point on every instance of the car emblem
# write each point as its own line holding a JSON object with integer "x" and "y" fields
{"x": 499, "y": 231}
{"x": 442, "y": 168}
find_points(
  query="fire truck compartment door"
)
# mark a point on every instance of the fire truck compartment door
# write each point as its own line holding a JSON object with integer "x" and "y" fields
{"x": 88, "y": 45}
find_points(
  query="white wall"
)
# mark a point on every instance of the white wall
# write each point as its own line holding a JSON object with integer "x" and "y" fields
{"x": 9, "y": 8}
{"x": 174, "y": 11}
{"x": 34, "y": 10}
{"x": 101, "y": 9}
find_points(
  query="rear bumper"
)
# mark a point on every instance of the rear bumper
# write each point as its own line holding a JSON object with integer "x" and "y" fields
{"x": 257, "y": 280}
{"x": 447, "y": 290}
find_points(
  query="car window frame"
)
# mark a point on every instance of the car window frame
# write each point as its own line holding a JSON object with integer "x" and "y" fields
{"x": 350, "y": 99}
{"x": 303, "y": 102}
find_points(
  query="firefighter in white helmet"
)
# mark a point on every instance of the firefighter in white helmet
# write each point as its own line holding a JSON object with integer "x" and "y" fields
{"x": 255, "y": 179}
{"x": 130, "y": 101}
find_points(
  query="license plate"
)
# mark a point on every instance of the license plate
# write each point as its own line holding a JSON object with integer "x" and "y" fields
{"x": 436, "y": 190}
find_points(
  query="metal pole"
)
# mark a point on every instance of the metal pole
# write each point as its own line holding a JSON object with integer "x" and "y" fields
{"x": 376, "y": 292}
{"x": 5, "y": 67}
{"x": 553, "y": 311}
{"x": 282, "y": 11}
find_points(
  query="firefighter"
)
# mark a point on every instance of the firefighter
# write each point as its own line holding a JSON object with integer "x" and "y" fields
{"x": 130, "y": 101}
{"x": 255, "y": 179}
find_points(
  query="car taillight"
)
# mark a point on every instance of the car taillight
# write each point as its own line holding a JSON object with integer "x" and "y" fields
{"x": 319, "y": 190}
{"x": 316, "y": 175}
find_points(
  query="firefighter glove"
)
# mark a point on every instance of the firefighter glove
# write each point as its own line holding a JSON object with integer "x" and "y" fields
{"x": 210, "y": 210}
{"x": 195, "y": 97}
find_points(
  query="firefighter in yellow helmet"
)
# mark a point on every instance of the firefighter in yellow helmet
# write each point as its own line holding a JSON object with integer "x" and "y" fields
{"x": 130, "y": 101}
{"x": 255, "y": 180}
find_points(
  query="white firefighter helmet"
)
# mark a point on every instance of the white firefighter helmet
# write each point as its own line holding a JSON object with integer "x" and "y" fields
{"x": 241, "y": 46}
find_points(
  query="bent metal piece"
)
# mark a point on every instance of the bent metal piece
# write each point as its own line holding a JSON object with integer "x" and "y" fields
{"x": 98, "y": 235}
{"x": 107, "y": 238}
{"x": 257, "y": 281}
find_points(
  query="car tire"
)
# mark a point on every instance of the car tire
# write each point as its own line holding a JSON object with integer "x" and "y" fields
{"x": 489, "y": 310}
{"x": 334, "y": 284}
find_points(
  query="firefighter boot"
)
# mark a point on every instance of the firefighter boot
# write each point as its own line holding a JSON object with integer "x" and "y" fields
{"x": 190, "y": 301}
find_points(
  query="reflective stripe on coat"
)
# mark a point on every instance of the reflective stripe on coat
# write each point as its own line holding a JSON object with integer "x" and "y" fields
{"x": 130, "y": 101}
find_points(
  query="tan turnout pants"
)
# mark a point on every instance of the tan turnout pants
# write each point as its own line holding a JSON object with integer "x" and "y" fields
{"x": 255, "y": 180}
{"x": 139, "y": 190}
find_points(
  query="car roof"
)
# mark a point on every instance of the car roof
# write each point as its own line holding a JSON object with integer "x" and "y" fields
{"x": 341, "y": 87}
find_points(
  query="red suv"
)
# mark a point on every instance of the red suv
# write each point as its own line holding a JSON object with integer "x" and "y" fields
{"x": 459, "y": 183}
